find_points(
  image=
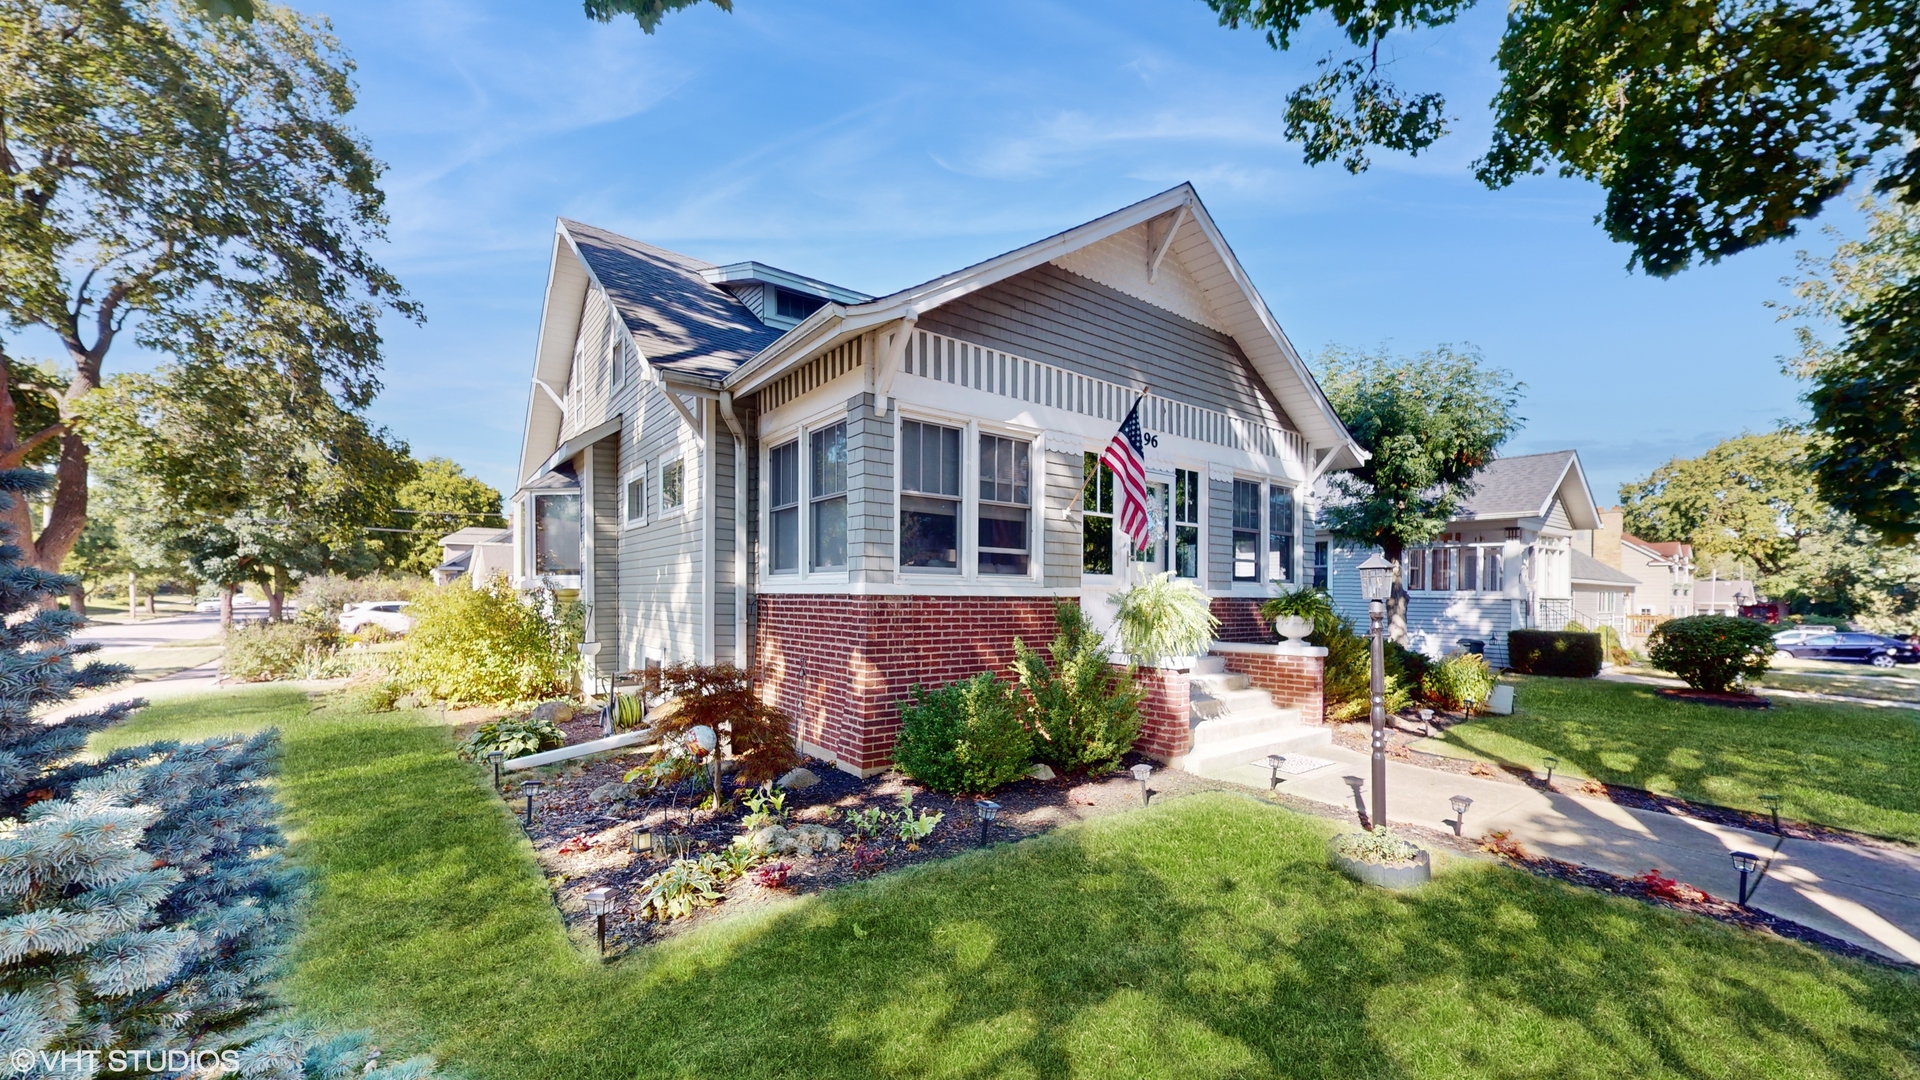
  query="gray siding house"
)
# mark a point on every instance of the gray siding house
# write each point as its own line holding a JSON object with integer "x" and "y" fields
{"x": 851, "y": 494}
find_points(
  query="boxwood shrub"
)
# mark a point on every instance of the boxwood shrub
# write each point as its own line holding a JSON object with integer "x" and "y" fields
{"x": 1712, "y": 652}
{"x": 965, "y": 737}
{"x": 1566, "y": 653}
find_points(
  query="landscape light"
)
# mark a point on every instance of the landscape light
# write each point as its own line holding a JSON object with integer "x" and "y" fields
{"x": 1469, "y": 700}
{"x": 1426, "y": 720}
{"x": 1745, "y": 862}
{"x": 1376, "y": 584}
{"x": 1772, "y": 803}
{"x": 986, "y": 810}
{"x": 1376, "y": 578}
{"x": 1275, "y": 762}
{"x": 1460, "y": 804}
{"x": 599, "y": 902}
{"x": 1552, "y": 763}
{"x": 530, "y": 788}
{"x": 496, "y": 757}
{"x": 1140, "y": 773}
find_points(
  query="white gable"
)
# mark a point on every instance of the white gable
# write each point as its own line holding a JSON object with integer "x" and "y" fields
{"x": 1120, "y": 262}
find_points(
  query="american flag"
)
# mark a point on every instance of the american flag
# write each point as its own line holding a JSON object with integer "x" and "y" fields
{"x": 1126, "y": 455}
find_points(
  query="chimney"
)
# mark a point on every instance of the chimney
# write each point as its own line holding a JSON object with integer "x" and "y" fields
{"x": 1606, "y": 538}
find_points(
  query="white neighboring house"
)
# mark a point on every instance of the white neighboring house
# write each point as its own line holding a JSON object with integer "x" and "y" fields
{"x": 1510, "y": 560}
{"x": 478, "y": 551}
{"x": 1716, "y": 597}
{"x": 1662, "y": 571}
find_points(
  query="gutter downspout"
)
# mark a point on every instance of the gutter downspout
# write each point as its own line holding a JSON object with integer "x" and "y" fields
{"x": 743, "y": 649}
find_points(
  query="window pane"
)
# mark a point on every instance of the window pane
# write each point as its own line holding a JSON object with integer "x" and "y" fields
{"x": 673, "y": 488}
{"x": 1246, "y": 505}
{"x": 1469, "y": 570}
{"x": 1186, "y": 551}
{"x": 1099, "y": 494}
{"x": 1442, "y": 569}
{"x": 1003, "y": 539}
{"x": 1186, "y": 497}
{"x": 1416, "y": 569}
{"x": 783, "y": 474}
{"x": 830, "y": 533}
{"x": 929, "y": 532}
{"x": 1320, "y": 564}
{"x": 929, "y": 459}
{"x": 830, "y": 461}
{"x": 1246, "y": 555}
{"x": 1096, "y": 543}
{"x": 637, "y": 498}
{"x": 556, "y": 534}
{"x": 786, "y": 539}
{"x": 1279, "y": 533}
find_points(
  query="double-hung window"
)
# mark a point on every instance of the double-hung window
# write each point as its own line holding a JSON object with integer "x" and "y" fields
{"x": 828, "y": 494}
{"x": 1279, "y": 533}
{"x": 1096, "y": 518}
{"x": 1443, "y": 570}
{"x": 1246, "y": 530}
{"x": 633, "y": 498}
{"x": 783, "y": 502}
{"x": 1492, "y": 570}
{"x": 929, "y": 496}
{"x": 1186, "y": 523}
{"x": 1006, "y": 504}
{"x": 1416, "y": 569}
{"x": 1320, "y": 564}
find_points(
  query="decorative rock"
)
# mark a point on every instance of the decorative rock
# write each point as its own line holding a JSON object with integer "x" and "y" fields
{"x": 767, "y": 839}
{"x": 1040, "y": 772}
{"x": 798, "y": 779}
{"x": 553, "y": 712}
{"x": 801, "y": 840}
{"x": 610, "y": 793}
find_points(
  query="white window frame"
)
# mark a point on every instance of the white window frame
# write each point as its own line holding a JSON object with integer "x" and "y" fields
{"x": 1202, "y": 493}
{"x": 810, "y": 503}
{"x": 1266, "y": 532}
{"x": 967, "y": 545}
{"x": 1036, "y": 488}
{"x": 801, "y": 432}
{"x": 795, "y": 438}
{"x": 628, "y": 520}
{"x": 680, "y": 455}
{"x": 1478, "y": 550}
{"x": 1118, "y": 556}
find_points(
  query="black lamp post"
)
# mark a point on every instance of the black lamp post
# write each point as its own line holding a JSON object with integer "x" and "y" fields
{"x": 1772, "y": 803}
{"x": 1552, "y": 763}
{"x": 1140, "y": 773}
{"x": 1275, "y": 762}
{"x": 1376, "y": 584}
{"x": 1745, "y": 862}
{"x": 986, "y": 810}
{"x": 599, "y": 902}
{"x": 1460, "y": 804}
{"x": 530, "y": 788}
{"x": 496, "y": 757}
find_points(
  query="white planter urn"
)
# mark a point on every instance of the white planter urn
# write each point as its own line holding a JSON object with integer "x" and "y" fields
{"x": 1293, "y": 629}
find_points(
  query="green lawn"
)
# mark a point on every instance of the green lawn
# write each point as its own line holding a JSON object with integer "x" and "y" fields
{"x": 1202, "y": 938}
{"x": 1849, "y": 766}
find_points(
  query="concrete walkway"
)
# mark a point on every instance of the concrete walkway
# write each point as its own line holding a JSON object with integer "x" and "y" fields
{"x": 1864, "y": 893}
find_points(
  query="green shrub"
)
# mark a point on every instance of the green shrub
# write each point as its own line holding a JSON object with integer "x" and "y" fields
{"x": 1162, "y": 618}
{"x": 487, "y": 645}
{"x": 1462, "y": 676}
{"x": 514, "y": 736}
{"x": 1410, "y": 666}
{"x": 1565, "y": 653}
{"x": 1712, "y": 652}
{"x": 1084, "y": 714}
{"x": 265, "y": 652}
{"x": 964, "y": 737}
{"x": 1613, "y": 648}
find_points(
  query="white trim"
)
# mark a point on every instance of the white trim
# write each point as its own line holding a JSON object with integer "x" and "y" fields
{"x": 627, "y": 518}
{"x": 967, "y": 541}
{"x": 678, "y": 453}
{"x": 1166, "y": 244}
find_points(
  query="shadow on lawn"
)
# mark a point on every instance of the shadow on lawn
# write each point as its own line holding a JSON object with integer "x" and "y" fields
{"x": 1204, "y": 937}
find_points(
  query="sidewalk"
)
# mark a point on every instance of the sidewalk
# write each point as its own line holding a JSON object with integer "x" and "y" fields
{"x": 1865, "y": 894}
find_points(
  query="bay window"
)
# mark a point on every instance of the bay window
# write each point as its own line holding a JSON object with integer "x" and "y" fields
{"x": 929, "y": 496}
{"x": 556, "y": 534}
{"x": 783, "y": 501}
{"x": 1096, "y": 518}
{"x": 827, "y": 454}
{"x": 1246, "y": 530}
{"x": 1005, "y": 505}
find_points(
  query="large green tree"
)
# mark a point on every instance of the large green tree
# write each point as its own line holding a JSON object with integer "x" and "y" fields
{"x": 190, "y": 178}
{"x": 1428, "y": 423}
{"x": 440, "y": 499}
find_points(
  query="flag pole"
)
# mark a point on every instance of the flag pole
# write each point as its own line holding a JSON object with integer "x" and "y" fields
{"x": 1095, "y": 471}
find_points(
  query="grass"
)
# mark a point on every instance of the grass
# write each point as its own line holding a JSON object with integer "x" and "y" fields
{"x": 1854, "y": 767}
{"x": 1204, "y": 937}
{"x": 1850, "y": 680}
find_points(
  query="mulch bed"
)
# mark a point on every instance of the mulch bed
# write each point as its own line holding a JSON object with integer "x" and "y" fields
{"x": 1712, "y": 697}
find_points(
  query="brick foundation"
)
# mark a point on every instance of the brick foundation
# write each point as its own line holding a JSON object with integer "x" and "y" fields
{"x": 1296, "y": 682}
{"x": 841, "y": 665}
{"x": 1165, "y": 731}
{"x": 1240, "y": 620}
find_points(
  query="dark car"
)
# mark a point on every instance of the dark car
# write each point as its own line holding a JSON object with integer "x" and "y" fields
{"x": 1881, "y": 652}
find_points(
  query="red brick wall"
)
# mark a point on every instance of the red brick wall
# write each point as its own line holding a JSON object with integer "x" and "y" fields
{"x": 1165, "y": 731}
{"x": 1296, "y": 682}
{"x": 1240, "y": 620}
{"x": 841, "y": 665}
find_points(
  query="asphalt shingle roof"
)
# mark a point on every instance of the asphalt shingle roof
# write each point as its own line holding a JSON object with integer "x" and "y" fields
{"x": 678, "y": 320}
{"x": 1589, "y": 569}
{"x": 1515, "y": 486}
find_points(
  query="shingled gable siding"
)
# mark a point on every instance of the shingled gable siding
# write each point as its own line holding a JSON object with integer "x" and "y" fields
{"x": 1054, "y": 316}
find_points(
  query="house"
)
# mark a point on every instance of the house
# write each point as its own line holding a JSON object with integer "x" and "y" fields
{"x": 478, "y": 551}
{"x": 1509, "y": 560}
{"x": 1716, "y": 597}
{"x": 852, "y": 494}
{"x": 1663, "y": 571}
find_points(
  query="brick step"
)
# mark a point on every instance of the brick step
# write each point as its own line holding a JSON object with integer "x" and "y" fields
{"x": 1280, "y": 739}
{"x": 1240, "y": 725}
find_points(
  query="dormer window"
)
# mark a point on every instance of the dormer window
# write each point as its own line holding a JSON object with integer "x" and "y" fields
{"x": 793, "y": 305}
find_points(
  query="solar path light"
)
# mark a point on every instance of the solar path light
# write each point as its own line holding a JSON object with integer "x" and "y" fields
{"x": 1460, "y": 804}
{"x": 1275, "y": 762}
{"x": 1552, "y": 763}
{"x": 985, "y": 810}
{"x": 599, "y": 902}
{"x": 530, "y": 788}
{"x": 1426, "y": 720}
{"x": 1745, "y": 862}
{"x": 496, "y": 757}
{"x": 1140, "y": 773}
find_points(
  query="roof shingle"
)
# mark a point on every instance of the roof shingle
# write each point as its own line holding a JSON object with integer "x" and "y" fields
{"x": 1516, "y": 486}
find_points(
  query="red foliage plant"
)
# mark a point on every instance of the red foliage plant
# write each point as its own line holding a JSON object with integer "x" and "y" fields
{"x": 721, "y": 697}
{"x": 771, "y": 875}
{"x": 1667, "y": 888}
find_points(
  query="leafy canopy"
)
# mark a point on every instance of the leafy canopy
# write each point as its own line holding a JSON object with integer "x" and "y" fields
{"x": 440, "y": 499}
{"x": 1749, "y": 498}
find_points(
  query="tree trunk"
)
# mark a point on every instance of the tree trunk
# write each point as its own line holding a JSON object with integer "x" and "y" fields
{"x": 152, "y": 608}
{"x": 77, "y": 599}
{"x": 1395, "y": 553}
{"x": 133, "y": 594}
{"x": 277, "y": 594}
{"x": 226, "y": 608}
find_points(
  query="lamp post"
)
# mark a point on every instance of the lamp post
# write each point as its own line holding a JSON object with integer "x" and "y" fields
{"x": 1140, "y": 773}
{"x": 1376, "y": 584}
{"x": 1275, "y": 762}
{"x": 1745, "y": 862}
{"x": 530, "y": 788}
{"x": 986, "y": 810}
{"x": 496, "y": 757}
{"x": 599, "y": 902}
{"x": 1460, "y": 804}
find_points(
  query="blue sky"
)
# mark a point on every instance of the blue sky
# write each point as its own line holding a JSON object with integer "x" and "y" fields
{"x": 878, "y": 144}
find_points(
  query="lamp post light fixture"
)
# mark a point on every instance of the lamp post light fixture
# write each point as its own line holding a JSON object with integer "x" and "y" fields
{"x": 1745, "y": 862}
{"x": 1459, "y": 804}
{"x": 1275, "y": 762}
{"x": 1426, "y": 721}
{"x": 530, "y": 788}
{"x": 986, "y": 810}
{"x": 1376, "y": 584}
{"x": 599, "y": 902}
{"x": 1772, "y": 803}
{"x": 1552, "y": 763}
{"x": 1140, "y": 773}
{"x": 496, "y": 757}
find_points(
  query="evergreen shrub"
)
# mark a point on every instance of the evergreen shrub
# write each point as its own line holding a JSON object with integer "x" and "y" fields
{"x": 1452, "y": 681}
{"x": 488, "y": 645}
{"x": 1567, "y": 654}
{"x": 1712, "y": 652}
{"x": 1084, "y": 714}
{"x": 964, "y": 737}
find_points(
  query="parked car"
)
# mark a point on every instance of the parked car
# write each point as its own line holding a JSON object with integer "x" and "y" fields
{"x": 1881, "y": 652}
{"x": 388, "y": 615}
{"x": 213, "y": 605}
{"x": 1799, "y": 634}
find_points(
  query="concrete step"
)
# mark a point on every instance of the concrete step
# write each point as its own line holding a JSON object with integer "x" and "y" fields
{"x": 1214, "y": 684}
{"x": 1240, "y": 725}
{"x": 1281, "y": 739}
{"x": 1209, "y": 665}
{"x": 1228, "y": 703}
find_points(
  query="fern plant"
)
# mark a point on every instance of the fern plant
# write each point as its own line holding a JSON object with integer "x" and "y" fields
{"x": 1162, "y": 618}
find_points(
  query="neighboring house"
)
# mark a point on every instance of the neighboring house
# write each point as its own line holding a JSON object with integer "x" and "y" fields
{"x": 1507, "y": 561}
{"x": 1716, "y": 597}
{"x": 1602, "y": 595}
{"x": 477, "y": 551}
{"x": 1663, "y": 570}
{"x": 854, "y": 495}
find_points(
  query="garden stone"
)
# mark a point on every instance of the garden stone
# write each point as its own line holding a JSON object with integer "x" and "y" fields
{"x": 798, "y": 779}
{"x": 767, "y": 839}
{"x": 804, "y": 840}
{"x": 610, "y": 793}
{"x": 1041, "y": 772}
{"x": 553, "y": 712}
